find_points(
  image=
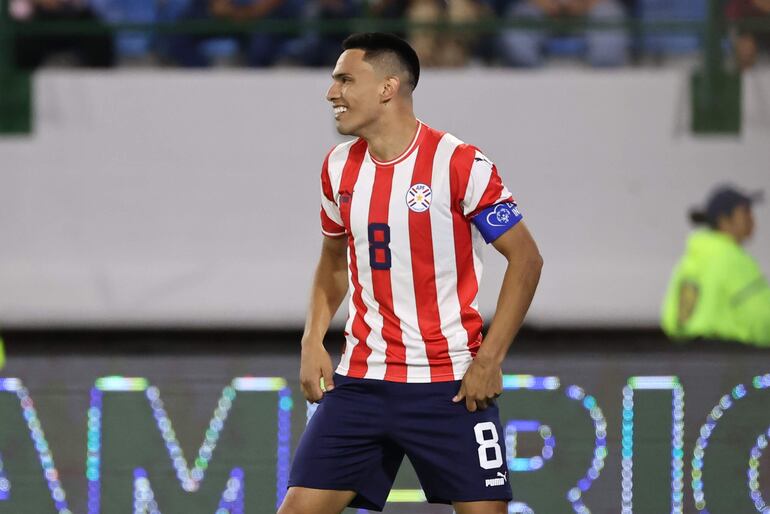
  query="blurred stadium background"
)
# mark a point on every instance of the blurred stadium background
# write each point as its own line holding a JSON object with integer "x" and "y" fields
{"x": 159, "y": 166}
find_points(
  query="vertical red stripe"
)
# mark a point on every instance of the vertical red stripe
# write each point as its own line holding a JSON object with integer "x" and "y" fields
{"x": 493, "y": 190}
{"x": 423, "y": 267}
{"x": 467, "y": 282}
{"x": 360, "y": 329}
{"x": 395, "y": 352}
{"x": 326, "y": 183}
{"x": 327, "y": 224}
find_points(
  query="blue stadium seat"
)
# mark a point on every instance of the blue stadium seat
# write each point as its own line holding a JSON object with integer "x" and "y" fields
{"x": 675, "y": 43}
{"x": 219, "y": 48}
{"x": 566, "y": 46}
{"x": 127, "y": 43}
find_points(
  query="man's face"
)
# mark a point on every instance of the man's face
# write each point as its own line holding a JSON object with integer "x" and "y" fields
{"x": 744, "y": 221}
{"x": 354, "y": 93}
{"x": 739, "y": 224}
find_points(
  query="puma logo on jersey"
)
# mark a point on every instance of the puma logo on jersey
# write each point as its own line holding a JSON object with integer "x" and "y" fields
{"x": 500, "y": 480}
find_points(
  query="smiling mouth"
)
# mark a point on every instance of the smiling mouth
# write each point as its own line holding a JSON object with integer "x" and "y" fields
{"x": 339, "y": 111}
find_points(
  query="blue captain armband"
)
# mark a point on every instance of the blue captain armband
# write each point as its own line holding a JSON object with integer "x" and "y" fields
{"x": 494, "y": 221}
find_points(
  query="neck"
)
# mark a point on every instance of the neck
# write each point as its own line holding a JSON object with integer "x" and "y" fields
{"x": 392, "y": 136}
{"x": 732, "y": 235}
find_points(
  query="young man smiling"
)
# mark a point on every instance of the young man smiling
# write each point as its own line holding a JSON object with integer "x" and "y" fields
{"x": 405, "y": 210}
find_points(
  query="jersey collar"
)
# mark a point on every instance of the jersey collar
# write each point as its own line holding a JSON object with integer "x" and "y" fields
{"x": 414, "y": 144}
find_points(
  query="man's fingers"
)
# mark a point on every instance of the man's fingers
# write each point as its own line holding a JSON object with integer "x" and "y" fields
{"x": 482, "y": 404}
{"x": 312, "y": 390}
{"x": 315, "y": 394}
{"x": 328, "y": 378}
{"x": 470, "y": 404}
{"x": 308, "y": 394}
{"x": 460, "y": 394}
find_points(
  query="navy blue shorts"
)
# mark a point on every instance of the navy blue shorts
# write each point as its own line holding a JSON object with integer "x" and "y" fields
{"x": 362, "y": 429}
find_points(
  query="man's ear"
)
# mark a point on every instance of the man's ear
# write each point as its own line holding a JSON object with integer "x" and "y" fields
{"x": 390, "y": 88}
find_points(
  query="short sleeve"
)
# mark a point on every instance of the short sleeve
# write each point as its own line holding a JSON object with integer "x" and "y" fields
{"x": 331, "y": 220}
{"x": 485, "y": 201}
{"x": 484, "y": 187}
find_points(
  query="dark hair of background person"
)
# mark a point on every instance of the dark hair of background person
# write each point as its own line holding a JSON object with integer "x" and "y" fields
{"x": 377, "y": 43}
{"x": 698, "y": 217}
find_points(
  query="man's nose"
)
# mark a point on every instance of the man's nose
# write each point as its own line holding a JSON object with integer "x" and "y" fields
{"x": 333, "y": 92}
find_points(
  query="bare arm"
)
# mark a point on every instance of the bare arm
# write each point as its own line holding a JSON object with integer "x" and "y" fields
{"x": 329, "y": 288}
{"x": 483, "y": 380}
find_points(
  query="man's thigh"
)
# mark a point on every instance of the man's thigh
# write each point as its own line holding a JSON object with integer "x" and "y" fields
{"x": 459, "y": 456}
{"x": 345, "y": 448}
{"x": 484, "y": 507}
{"x": 301, "y": 500}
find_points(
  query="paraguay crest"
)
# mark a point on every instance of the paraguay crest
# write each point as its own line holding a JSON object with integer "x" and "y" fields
{"x": 418, "y": 197}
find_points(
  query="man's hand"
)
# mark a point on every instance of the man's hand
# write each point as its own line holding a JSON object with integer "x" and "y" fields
{"x": 482, "y": 383}
{"x": 315, "y": 364}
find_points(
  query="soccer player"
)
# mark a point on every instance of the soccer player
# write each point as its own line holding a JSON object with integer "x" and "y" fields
{"x": 405, "y": 210}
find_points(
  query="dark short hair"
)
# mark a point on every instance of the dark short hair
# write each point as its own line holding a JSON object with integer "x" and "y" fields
{"x": 375, "y": 44}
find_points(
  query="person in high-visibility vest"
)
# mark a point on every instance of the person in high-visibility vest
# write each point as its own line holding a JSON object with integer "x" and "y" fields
{"x": 2, "y": 353}
{"x": 717, "y": 290}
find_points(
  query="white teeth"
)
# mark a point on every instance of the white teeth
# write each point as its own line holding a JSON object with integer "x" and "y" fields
{"x": 340, "y": 110}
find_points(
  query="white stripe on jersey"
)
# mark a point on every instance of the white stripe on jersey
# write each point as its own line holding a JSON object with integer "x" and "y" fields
{"x": 331, "y": 210}
{"x": 478, "y": 260}
{"x": 404, "y": 303}
{"x": 481, "y": 171}
{"x": 359, "y": 224}
{"x": 334, "y": 167}
{"x": 444, "y": 257}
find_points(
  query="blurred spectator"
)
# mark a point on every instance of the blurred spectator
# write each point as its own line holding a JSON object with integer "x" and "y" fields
{"x": 323, "y": 49}
{"x": 2, "y": 353}
{"x": 605, "y": 47}
{"x": 259, "y": 48}
{"x": 388, "y": 9}
{"x": 93, "y": 50}
{"x": 717, "y": 290}
{"x": 436, "y": 48}
{"x": 746, "y": 42}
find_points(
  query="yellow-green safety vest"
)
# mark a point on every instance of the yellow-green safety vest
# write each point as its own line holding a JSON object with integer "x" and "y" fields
{"x": 717, "y": 291}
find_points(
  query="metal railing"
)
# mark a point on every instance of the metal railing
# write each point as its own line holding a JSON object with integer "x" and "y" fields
{"x": 714, "y": 88}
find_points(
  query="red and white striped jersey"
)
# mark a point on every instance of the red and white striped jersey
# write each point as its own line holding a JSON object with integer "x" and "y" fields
{"x": 414, "y": 256}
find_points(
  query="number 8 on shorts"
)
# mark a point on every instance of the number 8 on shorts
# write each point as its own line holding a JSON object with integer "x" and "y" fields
{"x": 487, "y": 443}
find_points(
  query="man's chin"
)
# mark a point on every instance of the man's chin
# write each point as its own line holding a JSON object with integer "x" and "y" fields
{"x": 344, "y": 130}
